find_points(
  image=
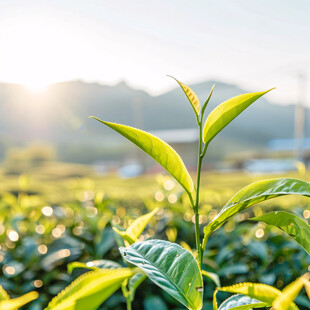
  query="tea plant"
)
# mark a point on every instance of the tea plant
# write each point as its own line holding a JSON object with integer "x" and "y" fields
{"x": 171, "y": 266}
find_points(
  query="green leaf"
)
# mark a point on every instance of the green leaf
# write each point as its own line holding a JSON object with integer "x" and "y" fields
{"x": 223, "y": 114}
{"x": 207, "y": 101}
{"x": 191, "y": 96}
{"x": 262, "y": 292}
{"x": 291, "y": 224}
{"x": 212, "y": 276}
{"x": 15, "y": 303}
{"x": 90, "y": 290}
{"x": 241, "y": 302}
{"x": 159, "y": 150}
{"x": 134, "y": 283}
{"x": 253, "y": 194}
{"x": 3, "y": 294}
{"x": 134, "y": 231}
{"x": 94, "y": 265}
{"x": 290, "y": 292}
{"x": 171, "y": 267}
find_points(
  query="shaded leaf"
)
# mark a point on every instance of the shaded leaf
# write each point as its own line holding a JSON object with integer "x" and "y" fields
{"x": 191, "y": 96}
{"x": 169, "y": 266}
{"x": 159, "y": 150}
{"x": 154, "y": 302}
{"x": 238, "y": 268}
{"x": 223, "y": 114}
{"x": 291, "y": 224}
{"x": 134, "y": 283}
{"x": 253, "y": 194}
{"x": 134, "y": 231}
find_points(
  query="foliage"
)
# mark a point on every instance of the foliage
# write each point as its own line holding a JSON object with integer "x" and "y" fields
{"x": 86, "y": 228}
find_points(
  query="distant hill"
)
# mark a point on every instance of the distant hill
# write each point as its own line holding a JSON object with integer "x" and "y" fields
{"x": 60, "y": 116}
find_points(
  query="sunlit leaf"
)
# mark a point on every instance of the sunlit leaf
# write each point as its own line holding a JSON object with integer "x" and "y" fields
{"x": 223, "y": 114}
{"x": 90, "y": 290}
{"x": 171, "y": 267}
{"x": 135, "y": 229}
{"x": 159, "y": 150}
{"x": 212, "y": 276}
{"x": 94, "y": 265}
{"x": 15, "y": 303}
{"x": 307, "y": 285}
{"x": 207, "y": 101}
{"x": 3, "y": 294}
{"x": 291, "y": 224}
{"x": 191, "y": 96}
{"x": 262, "y": 292}
{"x": 290, "y": 292}
{"x": 253, "y": 194}
{"x": 242, "y": 302}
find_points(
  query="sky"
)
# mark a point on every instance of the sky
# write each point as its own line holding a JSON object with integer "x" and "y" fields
{"x": 256, "y": 44}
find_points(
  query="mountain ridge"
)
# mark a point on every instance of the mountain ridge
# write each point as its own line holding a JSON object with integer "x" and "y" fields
{"x": 60, "y": 115}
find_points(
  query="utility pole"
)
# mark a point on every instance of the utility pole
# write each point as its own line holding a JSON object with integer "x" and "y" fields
{"x": 300, "y": 117}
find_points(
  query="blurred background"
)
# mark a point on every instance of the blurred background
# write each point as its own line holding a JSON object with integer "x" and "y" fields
{"x": 65, "y": 179}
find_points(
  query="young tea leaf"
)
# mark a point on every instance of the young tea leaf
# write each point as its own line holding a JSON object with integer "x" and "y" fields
{"x": 15, "y": 303}
{"x": 223, "y": 114}
{"x": 291, "y": 224}
{"x": 159, "y": 150}
{"x": 241, "y": 302}
{"x": 3, "y": 294}
{"x": 253, "y": 194}
{"x": 207, "y": 101}
{"x": 171, "y": 267}
{"x": 261, "y": 292}
{"x": 134, "y": 231}
{"x": 134, "y": 283}
{"x": 191, "y": 96}
{"x": 90, "y": 290}
{"x": 289, "y": 293}
{"x": 212, "y": 276}
{"x": 94, "y": 265}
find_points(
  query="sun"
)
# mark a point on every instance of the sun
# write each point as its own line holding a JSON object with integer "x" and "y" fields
{"x": 36, "y": 52}
{"x": 36, "y": 86}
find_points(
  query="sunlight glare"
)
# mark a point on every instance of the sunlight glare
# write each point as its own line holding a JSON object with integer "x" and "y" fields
{"x": 36, "y": 86}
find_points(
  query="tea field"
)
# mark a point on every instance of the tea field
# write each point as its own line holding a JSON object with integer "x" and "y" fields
{"x": 52, "y": 214}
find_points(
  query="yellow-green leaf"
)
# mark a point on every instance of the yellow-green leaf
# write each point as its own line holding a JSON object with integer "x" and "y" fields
{"x": 90, "y": 290}
{"x": 94, "y": 265}
{"x": 212, "y": 276}
{"x": 191, "y": 96}
{"x": 262, "y": 292}
{"x": 223, "y": 114}
{"x": 289, "y": 293}
{"x": 159, "y": 150}
{"x": 3, "y": 294}
{"x": 307, "y": 286}
{"x": 15, "y": 303}
{"x": 134, "y": 231}
{"x": 291, "y": 224}
{"x": 253, "y": 194}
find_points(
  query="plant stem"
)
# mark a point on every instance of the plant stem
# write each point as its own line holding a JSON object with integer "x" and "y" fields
{"x": 196, "y": 207}
{"x": 128, "y": 302}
